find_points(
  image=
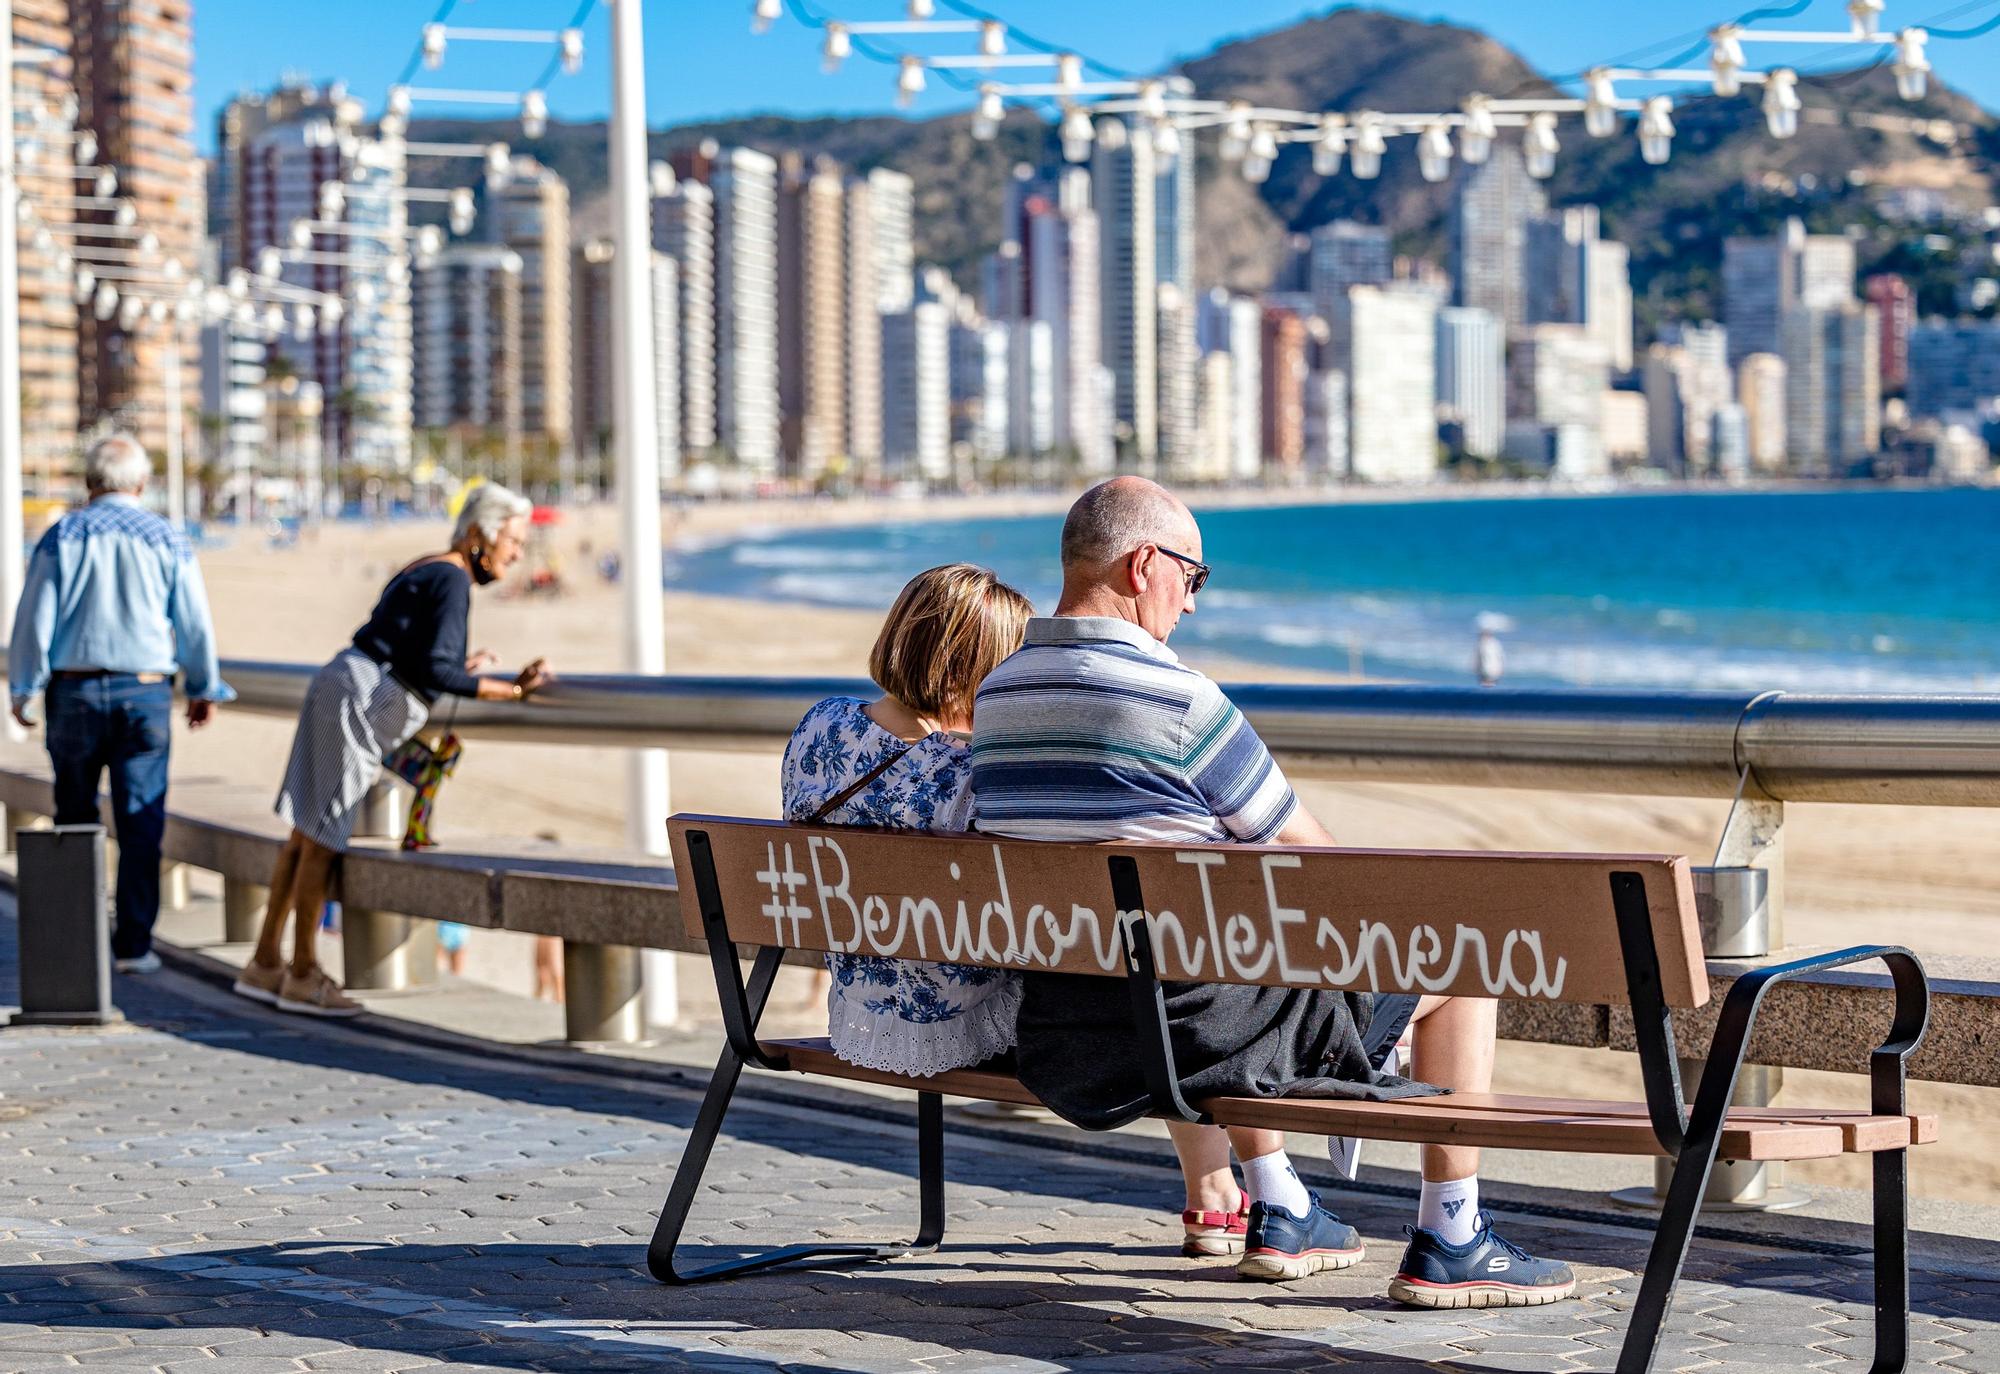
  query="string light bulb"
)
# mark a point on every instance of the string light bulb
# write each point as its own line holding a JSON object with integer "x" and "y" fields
{"x": 1166, "y": 139}
{"x": 1912, "y": 67}
{"x": 992, "y": 38}
{"x": 463, "y": 210}
{"x": 433, "y": 46}
{"x": 835, "y": 47}
{"x": 1329, "y": 146}
{"x": 1153, "y": 99}
{"x": 1866, "y": 16}
{"x": 1781, "y": 102}
{"x": 1069, "y": 70}
{"x": 764, "y": 13}
{"x": 1434, "y": 151}
{"x": 1076, "y": 134}
{"x": 1235, "y": 140}
{"x": 920, "y": 10}
{"x": 1656, "y": 129}
{"x": 1259, "y": 155}
{"x": 1540, "y": 145}
{"x": 1600, "y": 103}
{"x": 104, "y": 303}
{"x": 1475, "y": 139}
{"x": 86, "y": 148}
{"x": 986, "y": 116}
{"x": 909, "y": 79}
{"x": 1364, "y": 154}
{"x": 1725, "y": 58}
{"x": 534, "y": 114}
{"x": 105, "y": 184}
{"x": 570, "y": 45}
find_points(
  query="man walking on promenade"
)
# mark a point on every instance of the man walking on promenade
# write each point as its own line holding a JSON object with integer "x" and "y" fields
{"x": 113, "y": 604}
{"x": 1093, "y": 730}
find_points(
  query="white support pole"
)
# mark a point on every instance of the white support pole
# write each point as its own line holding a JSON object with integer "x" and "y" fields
{"x": 635, "y": 427}
{"x": 13, "y": 551}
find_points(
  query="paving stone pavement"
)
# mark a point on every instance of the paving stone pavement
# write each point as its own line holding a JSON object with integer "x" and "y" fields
{"x": 220, "y": 1189}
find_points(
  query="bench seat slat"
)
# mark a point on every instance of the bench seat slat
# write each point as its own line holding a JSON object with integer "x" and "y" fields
{"x": 1495, "y": 1120}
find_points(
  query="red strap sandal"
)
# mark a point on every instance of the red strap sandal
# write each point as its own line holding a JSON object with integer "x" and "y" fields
{"x": 1221, "y": 1233}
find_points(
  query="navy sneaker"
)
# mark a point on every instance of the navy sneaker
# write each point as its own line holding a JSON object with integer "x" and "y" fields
{"x": 1281, "y": 1246}
{"x": 1487, "y": 1271}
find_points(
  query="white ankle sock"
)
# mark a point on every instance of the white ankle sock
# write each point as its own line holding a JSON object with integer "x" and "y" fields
{"x": 1450, "y": 1209}
{"x": 1271, "y": 1180}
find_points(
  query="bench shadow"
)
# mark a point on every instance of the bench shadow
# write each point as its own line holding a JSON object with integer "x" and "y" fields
{"x": 594, "y": 1308}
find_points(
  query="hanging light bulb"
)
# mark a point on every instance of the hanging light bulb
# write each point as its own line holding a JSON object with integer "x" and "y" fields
{"x": 1364, "y": 154}
{"x": 332, "y": 199}
{"x": 988, "y": 113}
{"x": 1076, "y": 133}
{"x": 992, "y": 38}
{"x": 1069, "y": 70}
{"x": 433, "y": 46}
{"x": 1781, "y": 102}
{"x": 105, "y": 303}
{"x": 1330, "y": 145}
{"x": 834, "y": 48}
{"x": 921, "y": 10}
{"x": 1258, "y": 156}
{"x": 238, "y": 283}
{"x": 1867, "y": 15}
{"x": 330, "y": 312}
{"x": 462, "y": 210}
{"x": 1153, "y": 100}
{"x": 274, "y": 319}
{"x": 499, "y": 165}
{"x": 1540, "y": 146}
{"x": 1656, "y": 129}
{"x": 764, "y": 13}
{"x": 244, "y": 314}
{"x": 570, "y": 44}
{"x": 304, "y": 320}
{"x": 1166, "y": 139}
{"x": 430, "y": 241}
{"x": 300, "y": 235}
{"x": 1725, "y": 58}
{"x": 270, "y": 262}
{"x": 149, "y": 243}
{"x": 129, "y": 310}
{"x": 105, "y": 184}
{"x": 125, "y": 216}
{"x": 86, "y": 148}
{"x": 1475, "y": 140}
{"x": 1434, "y": 151}
{"x": 534, "y": 114}
{"x": 86, "y": 282}
{"x": 398, "y": 103}
{"x": 1600, "y": 104}
{"x": 1235, "y": 132}
{"x": 909, "y": 79}
{"x": 1912, "y": 67}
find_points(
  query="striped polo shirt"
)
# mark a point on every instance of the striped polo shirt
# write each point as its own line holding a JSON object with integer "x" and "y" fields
{"x": 1093, "y": 730}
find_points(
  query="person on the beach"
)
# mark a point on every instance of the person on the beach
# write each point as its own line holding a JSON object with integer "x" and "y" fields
{"x": 113, "y": 605}
{"x": 899, "y": 763}
{"x": 368, "y": 700}
{"x": 1095, "y": 731}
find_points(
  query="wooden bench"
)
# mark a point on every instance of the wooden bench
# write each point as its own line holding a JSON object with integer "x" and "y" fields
{"x": 1595, "y": 929}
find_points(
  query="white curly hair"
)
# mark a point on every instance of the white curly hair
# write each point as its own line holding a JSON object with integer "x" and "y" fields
{"x": 488, "y": 508}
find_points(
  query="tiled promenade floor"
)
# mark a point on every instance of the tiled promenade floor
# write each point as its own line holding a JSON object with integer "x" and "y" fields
{"x": 213, "y": 1188}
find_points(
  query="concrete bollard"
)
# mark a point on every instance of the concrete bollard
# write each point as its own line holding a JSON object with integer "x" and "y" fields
{"x": 381, "y": 951}
{"x": 603, "y": 1000}
{"x": 174, "y": 890}
{"x": 243, "y": 905}
{"x": 10, "y": 831}
{"x": 65, "y": 944}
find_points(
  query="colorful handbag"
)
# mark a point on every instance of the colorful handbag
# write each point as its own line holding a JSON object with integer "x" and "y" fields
{"x": 424, "y": 764}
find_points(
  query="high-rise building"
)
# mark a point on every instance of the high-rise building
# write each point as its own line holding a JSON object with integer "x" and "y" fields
{"x": 1044, "y": 283}
{"x": 1235, "y": 325}
{"x": 745, "y": 187}
{"x": 1686, "y": 378}
{"x": 1384, "y": 340}
{"x": 1559, "y": 376}
{"x": 1179, "y": 364}
{"x": 1215, "y": 420}
{"x": 528, "y": 212}
{"x": 1760, "y": 390}
{"x": 593, "y": 398}
{"x": 467, "y": 316}
{"x": 861, "y": 356}
{"x": 812, "y": 315}
{"x": 48, "y": 310}
{"x": 1954, "y": 367}
{"x": 1326, "y": 424}
{"x": 916, "y": 392}
{"x": 684, "y": 230}
{"x": 1124, "y": 187}
{"x": 1627, "y": 432}
{"x": 1576, "y": 276}
{"x": 1489, "y": 235}
{"x": 1282, "y": 379}
{"x": 132, "y": 67}
{"x": 1345, "y": 254}
{"x": 892, "y": 209}
{"x": 1833, "y": 390}
{"x": 1896, "y": 304}
{"x": 979, "y": 387}
{"x": 1472, "y": 377}
{"x": 1765, "y": 279}
{"x": 1730, "y": 441}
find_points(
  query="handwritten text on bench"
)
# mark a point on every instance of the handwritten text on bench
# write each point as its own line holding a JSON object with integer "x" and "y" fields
{"x": 1359, "y": 953}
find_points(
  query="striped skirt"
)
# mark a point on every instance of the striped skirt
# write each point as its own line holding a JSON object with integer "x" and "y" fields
{"x": 354, "y": 714}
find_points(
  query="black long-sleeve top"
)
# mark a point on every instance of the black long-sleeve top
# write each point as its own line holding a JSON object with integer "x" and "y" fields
{"x": 418, "y": 630}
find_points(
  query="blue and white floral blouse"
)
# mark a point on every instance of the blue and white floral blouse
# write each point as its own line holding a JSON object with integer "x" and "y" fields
{"x": 897, "y": 1014}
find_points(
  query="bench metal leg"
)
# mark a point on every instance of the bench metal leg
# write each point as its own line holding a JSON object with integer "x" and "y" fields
{"x": 1892, "y": 1262}
{"x": 694, "y": 1162}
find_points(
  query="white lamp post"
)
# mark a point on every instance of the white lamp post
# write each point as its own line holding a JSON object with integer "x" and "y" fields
{"x": 13, "y": 550}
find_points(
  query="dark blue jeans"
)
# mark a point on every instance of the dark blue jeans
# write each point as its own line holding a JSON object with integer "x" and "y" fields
{"x": 119, "y": 723}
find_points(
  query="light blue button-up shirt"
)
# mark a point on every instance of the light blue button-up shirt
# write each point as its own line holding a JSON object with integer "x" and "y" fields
{"x": 114, "y": 587}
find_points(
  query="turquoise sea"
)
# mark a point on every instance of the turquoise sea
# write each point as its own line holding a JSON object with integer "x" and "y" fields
{"x": 1847, "y": 591}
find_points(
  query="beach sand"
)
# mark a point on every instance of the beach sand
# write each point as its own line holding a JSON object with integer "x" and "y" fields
{"x": 1919, "y": 876}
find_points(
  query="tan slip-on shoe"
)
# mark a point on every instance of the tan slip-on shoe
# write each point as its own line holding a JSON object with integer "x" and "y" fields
{"x": 315, "y": 994}
{"x": 258, "y": 983}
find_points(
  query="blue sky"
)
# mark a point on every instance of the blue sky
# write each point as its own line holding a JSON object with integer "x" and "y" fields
{"x": 702, "y": 60}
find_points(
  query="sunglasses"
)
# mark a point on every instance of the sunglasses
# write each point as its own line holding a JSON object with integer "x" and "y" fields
{"x": 1197, "y": 572}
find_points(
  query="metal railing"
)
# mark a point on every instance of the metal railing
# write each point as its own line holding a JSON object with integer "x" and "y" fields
{"x": 1794, "y": 746}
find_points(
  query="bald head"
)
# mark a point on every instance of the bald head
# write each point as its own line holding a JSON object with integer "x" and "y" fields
{"x": 1115, "y": 517}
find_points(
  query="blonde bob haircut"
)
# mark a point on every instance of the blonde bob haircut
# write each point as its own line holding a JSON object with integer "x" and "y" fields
{"x": 949, "y": 628}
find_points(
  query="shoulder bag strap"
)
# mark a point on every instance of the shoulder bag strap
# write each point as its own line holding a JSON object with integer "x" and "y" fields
{"x": 848, "y": 793}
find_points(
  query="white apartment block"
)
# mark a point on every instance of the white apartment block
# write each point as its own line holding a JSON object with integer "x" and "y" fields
{"x": 1472, "y": 377}
{"x": 916, "y": 393}
{"x": 684, "y": 230}
{"x": 1233, "y": 326}
{"x": 1385, "y": 341}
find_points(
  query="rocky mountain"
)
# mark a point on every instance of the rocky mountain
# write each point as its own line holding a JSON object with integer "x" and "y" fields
{"x": 1726, "y": 176}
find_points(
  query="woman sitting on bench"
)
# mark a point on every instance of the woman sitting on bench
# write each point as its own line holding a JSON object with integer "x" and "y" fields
{"x": 900, "y": 762}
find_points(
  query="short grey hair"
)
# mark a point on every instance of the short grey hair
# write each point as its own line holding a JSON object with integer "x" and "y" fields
{"x": 1115, "y": 517}
{"x": 488, "y": 507}
{"x": 117, "y": 462}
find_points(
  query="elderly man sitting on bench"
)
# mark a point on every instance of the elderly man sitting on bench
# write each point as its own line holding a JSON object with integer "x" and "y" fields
{"x": 1093, "y": 730}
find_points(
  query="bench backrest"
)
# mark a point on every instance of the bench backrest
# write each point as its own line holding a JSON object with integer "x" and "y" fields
{"x": 1534, "y": 926}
